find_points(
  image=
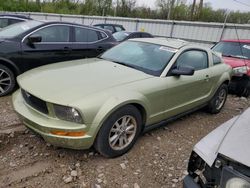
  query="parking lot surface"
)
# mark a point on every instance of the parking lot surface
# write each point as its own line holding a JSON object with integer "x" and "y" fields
{"x": 158, "y": 159}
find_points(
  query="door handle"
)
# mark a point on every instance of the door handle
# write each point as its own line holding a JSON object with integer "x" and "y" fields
{"x": 67, "y": 50}
{"x": 99, "y": 49}
{"x": 207, "y": 78}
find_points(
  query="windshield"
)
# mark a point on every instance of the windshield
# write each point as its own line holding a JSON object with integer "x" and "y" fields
{"x": 233, "y": 49}
{"x": 17, "y": 29}
{"x": 120, "y": 36}
{"x": 146, "y": 57}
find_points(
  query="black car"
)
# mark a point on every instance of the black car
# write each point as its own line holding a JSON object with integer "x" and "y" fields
{"x": 9, "y": 19}
{"x": 125, "y": 35}
{"x": 111, "y": 27}
{"x": 30, "y": 44}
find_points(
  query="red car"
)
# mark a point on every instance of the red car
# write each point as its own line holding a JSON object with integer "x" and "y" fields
{"x": 236, "y": 53}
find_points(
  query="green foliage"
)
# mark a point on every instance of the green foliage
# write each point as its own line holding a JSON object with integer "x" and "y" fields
{"x": 166, "y": 9}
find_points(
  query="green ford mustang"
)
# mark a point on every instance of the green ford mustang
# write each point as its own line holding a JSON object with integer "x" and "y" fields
{"x": 108, "y": 101}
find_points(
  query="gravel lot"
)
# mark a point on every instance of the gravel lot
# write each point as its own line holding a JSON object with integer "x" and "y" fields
{"x": 158, "y": 159}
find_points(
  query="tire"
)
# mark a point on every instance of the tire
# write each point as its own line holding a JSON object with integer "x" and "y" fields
{"x": 7, "y": 80}
{"x": 245, "y": 91}
{"x": 110, "y": 141}
{"x": 218, "y": 100}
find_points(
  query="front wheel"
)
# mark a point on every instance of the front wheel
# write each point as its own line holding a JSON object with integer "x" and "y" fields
{"x": 218, "y": 100}
{"x": 119, "y": 132}
{"x": 7, "y": 80}
{"x": 245, "y": 91}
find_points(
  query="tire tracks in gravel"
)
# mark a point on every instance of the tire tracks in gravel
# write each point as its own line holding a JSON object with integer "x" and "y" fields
{"x": 8, "y": 177}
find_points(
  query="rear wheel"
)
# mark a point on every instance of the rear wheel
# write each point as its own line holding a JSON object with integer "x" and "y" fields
{"x": 119, "y": 132}
{"x": 7, "y": 80}
{"x": 219, "y": 99}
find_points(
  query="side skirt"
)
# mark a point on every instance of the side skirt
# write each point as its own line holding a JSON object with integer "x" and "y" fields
{"x": 166, "y": 121}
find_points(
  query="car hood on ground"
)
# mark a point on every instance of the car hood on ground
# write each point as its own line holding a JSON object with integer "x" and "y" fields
{"x": 231, "y": 139}
{"x": 67, "y": 82}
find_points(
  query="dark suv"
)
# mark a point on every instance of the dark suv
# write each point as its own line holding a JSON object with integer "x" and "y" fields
{"x": 9, "y": 19}
{"x": 30, "y": 44}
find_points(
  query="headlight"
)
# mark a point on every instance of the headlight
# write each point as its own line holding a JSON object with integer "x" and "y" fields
{"x": 237, "y": 182}
{"x": 239, "y": 71}
{"x": 68, "y": 114}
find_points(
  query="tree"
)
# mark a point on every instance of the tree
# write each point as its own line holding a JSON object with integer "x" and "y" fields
{"x": 171, "y": 9}
{"x": 200, "y": 8}
{"x": 193, "y": 9}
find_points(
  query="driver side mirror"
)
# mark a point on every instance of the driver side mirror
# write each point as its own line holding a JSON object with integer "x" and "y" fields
{"x": 34, "y": 39}
{"x": 187, "y": 70}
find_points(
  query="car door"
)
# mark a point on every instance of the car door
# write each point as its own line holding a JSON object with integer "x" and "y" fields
{"x": 55, "y": 46}
{"x": 184, "y": 93}
{"x": 87, "y": 42}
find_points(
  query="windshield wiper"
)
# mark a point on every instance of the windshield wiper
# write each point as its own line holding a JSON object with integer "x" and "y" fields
{"x": 124, "y": 64}
{"x": 118, "y": 62}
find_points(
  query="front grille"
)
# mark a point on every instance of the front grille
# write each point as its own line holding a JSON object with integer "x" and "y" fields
{"x": 35, "y": 102}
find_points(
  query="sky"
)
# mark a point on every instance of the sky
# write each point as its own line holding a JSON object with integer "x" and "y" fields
{"x": 216, "y": 4}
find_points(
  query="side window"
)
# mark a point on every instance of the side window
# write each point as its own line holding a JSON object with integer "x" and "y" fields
{"x": 109, "y": 27}
{"x": 3, "y": 22}
{"x": 13, "y": 21}
{"x": 194, "y": 58}
{"x": 216, "y": 60}
{"x": 117, "y": 28}
{"x": 102, "y": 35}
{"x": 57, "y": 33}
{"x": 85, "y": 35}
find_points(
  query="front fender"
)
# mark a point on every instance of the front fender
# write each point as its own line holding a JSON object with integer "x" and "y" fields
{"x": 9, "y": 63}
{"x": 225, "y": 77}
{"x": 114, "y": 103}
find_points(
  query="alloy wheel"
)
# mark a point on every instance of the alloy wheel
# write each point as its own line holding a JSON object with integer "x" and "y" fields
{"x": 122, "y": 132}
{"x": 5, "y": 81}
{"x": 221, "y": 98}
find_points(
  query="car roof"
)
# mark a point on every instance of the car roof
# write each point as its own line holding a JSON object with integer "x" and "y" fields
{"x": 15, "y": 16}
{"x": 236, "y": 40}
{"x": 48, "y": 22}
{"x": 108, "y": 24}
{"x": 174, "y": 43}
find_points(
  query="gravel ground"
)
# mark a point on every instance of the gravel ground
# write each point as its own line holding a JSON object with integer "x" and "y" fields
{"x": 158, "y": 159}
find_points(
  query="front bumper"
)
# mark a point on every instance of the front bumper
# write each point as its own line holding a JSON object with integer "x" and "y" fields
{"x": 238, "y": 84}
{"x": 44, "y": 125}
{"x": 189, "y": 182}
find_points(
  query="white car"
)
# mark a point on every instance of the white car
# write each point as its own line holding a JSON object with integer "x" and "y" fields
{"x": 222, "y": 158}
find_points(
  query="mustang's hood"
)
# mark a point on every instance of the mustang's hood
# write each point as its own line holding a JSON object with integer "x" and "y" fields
{"x": 66, "y": 82}
{"x": 230, "y": 139}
